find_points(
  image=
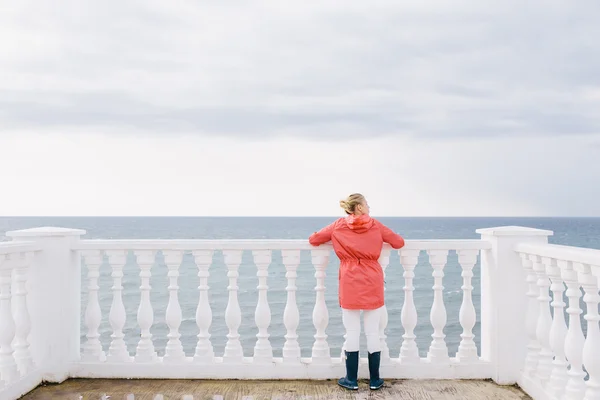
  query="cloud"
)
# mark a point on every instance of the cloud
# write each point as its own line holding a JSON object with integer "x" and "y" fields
{"x": 327, "y": 70}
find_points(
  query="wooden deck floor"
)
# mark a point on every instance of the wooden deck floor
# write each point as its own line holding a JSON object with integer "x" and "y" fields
{"x": 83, "y": 389}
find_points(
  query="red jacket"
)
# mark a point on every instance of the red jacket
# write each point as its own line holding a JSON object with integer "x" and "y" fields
{"x": 358, "y": 241}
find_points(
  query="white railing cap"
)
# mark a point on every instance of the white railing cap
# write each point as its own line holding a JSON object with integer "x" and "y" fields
{"x": 514, "y": 231}
{"x": 17, "y": 247}
{"x": 45, "y": 231}
{"x": 262, "y": 244}
{"x": 580, "y": 255}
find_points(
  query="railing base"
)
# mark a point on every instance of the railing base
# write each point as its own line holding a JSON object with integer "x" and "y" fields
{"x": 21, "y": 387}
{"x": 533, "y": 388}
{"x": 277, "y": 370}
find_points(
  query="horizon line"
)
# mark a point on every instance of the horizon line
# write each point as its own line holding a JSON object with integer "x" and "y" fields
{"x": 296, "y": 216}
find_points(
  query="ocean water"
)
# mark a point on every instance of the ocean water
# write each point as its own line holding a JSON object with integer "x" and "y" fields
{"x": 583, "y": 232}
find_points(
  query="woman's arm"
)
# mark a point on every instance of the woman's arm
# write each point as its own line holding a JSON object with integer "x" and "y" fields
{"x": 322, "y": 236}
{"x": 389, "y": 236}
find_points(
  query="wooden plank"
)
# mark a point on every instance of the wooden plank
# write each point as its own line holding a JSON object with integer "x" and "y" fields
{"x": 273, "y": 390}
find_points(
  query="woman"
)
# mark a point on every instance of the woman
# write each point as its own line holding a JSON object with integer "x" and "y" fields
{"x": 357, "y": 240}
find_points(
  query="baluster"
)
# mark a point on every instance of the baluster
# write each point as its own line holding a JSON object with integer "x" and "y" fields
{"x": 409, "y": 352}
{"x": 558, "y": 329}
{"x": 291, "y": 315}
{"x": 117, "y": 351}
{"x": 92, "y": 349}
{"x": 591, "y": 347}
{"x": 8, "y": 368}
{"x": 544, "y": 321}
{"x": 204, "y": 349}
{"x": 21, "y": 314}
{"x": 342, "y": 357}
{"x": 384, "y": 261}
{"x": 174, "y": 350}
{"x": 233, "y": 315}
{"x": 467, "y": 350}
{"x": 533, "y": 307}
{"x": 320, "y": 349}
{"x": 438, "y": 351}
{"x": 145, "y": 349}
{"x": 263, "y": 352}
{"x": 574, "y": 339}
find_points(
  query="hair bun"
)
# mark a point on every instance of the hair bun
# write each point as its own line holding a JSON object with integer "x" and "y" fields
{"x": 349, "y": 204}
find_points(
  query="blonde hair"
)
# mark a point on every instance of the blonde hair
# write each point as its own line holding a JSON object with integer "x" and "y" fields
{"x": 349, "y": 205}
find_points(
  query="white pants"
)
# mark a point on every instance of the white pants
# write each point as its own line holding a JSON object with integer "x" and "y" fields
{"x": 351, "y": 320}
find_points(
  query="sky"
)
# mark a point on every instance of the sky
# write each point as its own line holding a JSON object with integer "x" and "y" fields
{"x": 282, "y": 108}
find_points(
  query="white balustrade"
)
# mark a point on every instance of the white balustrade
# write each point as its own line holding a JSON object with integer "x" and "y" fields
{"x": 20, "y": 311}
{"x": 564, "y": 351}
{"x": 553, "y": 365}
{"x": 233, "y": 314}
{"x": 291, "y": 314}
{"x": 384, "y": 261}
{"x": 558, "y": 330}
{"x": 438, "y": 351}
{"x": 204, "y": 363}
{"x": 92, "y": 349}
{"x": 8, "y": 367}
{"x": 575, "y": 387}
{"x": 467, "y": 350}
{"x": 544, "y": 320}
{"x": 320, "y": 350}
{"x": 117, "y": 351}
{"x": 174, "y": 350}
{"x": 145, "y": 349}
{"x": 263, "y": 352}
{"x": 204, "y": 349}
{"x": 409, "y": 352}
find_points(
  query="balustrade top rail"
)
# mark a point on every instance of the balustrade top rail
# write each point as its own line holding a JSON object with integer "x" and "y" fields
{"x": 20, "y": 247}
{"x": 559, "y": 252}
{"x": 262, "y": 244}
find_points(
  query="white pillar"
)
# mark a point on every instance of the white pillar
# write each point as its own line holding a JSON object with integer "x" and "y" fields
{"x": 409, "y": 352}
{"x": 320, "y": 316}
{"x": 54, "y": 299}
{"x": 384, "y": 261}
{"x": 204, "y": 317}
{"x": 174, "y": 349}
{"x": 591, "y": 347}
{"x": 574, "y": 340}
{"x": 438, "y": 350}
{"x": 467, "y": 350}
{"x": 9, "y": 371}
{"x": 263, "y": 351}
{"x": 504, "y": 300}
{"x": 558, "y": 331}
{"x": 233, "y": 353}
{"x": 291, "y": 314}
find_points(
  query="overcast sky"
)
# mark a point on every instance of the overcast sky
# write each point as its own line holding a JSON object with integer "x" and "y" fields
{"x": 284, "y": 107}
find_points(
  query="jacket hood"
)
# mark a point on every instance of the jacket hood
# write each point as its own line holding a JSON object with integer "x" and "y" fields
{"x": 359, "y": 224}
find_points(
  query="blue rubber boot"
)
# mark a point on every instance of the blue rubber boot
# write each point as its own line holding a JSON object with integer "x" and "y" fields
{"x": 350, "y": 380}
{"x": 374, "y": 360}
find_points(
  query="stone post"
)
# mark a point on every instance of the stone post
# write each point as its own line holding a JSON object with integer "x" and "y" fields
{"x": 54, "y": 299}
{"x": 504, "y": 300}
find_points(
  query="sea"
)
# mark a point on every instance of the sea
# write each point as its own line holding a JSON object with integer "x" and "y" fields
{"x": 582, "y": 232}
